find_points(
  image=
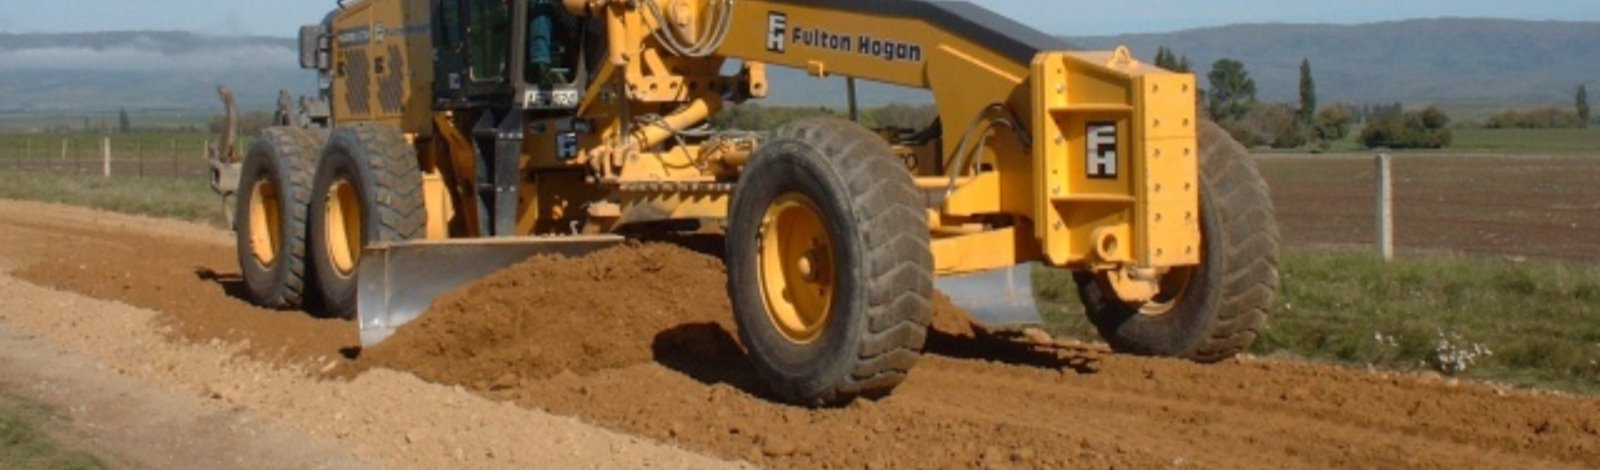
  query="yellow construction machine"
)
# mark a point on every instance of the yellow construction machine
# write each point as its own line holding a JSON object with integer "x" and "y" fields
{"x": 466, "y": 135}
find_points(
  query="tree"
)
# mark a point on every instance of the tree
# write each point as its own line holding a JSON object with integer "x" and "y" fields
{"x": 1333, "y": 123}
{"x": 123, "y": 124}
{"x": 1232, "y": 90}
{"x": 1308, "y": 94}
{"x": 1583, "y": 104}
{"x": 1169, "y": 60}
{"x": 1165, "y": 60}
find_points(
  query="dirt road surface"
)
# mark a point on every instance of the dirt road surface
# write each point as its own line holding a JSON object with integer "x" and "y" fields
{"x": 973, "y": 401}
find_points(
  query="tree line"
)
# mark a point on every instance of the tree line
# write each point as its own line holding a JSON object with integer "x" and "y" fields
{"x": 1231, "y": 101}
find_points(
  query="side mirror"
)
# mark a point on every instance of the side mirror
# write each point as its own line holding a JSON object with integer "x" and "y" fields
{"x": 312, "y": 51}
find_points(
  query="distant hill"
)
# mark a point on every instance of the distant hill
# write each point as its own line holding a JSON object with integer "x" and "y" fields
{"x": 1444, "y": 61}
{"x": 45, "y": 73}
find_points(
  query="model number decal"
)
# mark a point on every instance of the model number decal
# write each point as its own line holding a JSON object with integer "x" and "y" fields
{"x": 780, "y": 34}
{"x": 1101, "y": 160}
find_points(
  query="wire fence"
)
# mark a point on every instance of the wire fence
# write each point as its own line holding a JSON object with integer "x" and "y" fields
{"x": 117, "y": 155}
{"x": 1514, "y": 207}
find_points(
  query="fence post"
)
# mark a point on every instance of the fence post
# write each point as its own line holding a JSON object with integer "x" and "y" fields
{"x": 26, "y": 153}
{"x": 105, "y": 155}
{"x": 139, "y": 149}
{"x": 1385, "y": 193}
{"x": 174, "y": 156}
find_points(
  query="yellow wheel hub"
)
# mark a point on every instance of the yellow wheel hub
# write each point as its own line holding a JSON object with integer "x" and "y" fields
{"x": 1173, "y": 285}
{"x": 265, "y": 217}
{"x": 342, "y": 231}
{"x": 797, "y": 268}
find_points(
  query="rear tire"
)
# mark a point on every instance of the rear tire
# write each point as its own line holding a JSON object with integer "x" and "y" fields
{"x": 271, "y": 216}
{"x": 368, "y": 190}
{"x": 1228, "y": 296}
{"x": 864, "y": 213}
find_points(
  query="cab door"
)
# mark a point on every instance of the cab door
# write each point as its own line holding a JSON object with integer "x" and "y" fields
{"x": 471, "y": 49}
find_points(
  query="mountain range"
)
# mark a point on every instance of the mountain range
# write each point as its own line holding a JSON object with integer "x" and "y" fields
{"x": 1442, "y": 61}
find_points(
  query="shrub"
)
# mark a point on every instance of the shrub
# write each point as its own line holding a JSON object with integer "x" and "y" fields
{"x": 1428, "y": 128}
{"x": 1542, "y": 118}
{"x": 1267, "y": 124}
{"x": 1333, "y": 123}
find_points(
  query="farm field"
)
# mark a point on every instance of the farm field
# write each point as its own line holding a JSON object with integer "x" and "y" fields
{"x": 1528, "y": 206}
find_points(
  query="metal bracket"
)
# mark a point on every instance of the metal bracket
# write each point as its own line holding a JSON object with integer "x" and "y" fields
{"x": 499, "y": 147}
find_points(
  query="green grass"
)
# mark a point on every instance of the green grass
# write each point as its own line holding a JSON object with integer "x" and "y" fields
{"x": 184, "y": 199}
{"x": 1532, "y": 323}
{"x": 24, "y": 447}
{"x": 1521, "y": 141}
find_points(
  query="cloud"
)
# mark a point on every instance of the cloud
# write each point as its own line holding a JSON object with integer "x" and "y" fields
{"x": 145, "y": 54}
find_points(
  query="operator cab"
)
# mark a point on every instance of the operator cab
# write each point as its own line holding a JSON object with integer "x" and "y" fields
{"x": 529, "y": 53}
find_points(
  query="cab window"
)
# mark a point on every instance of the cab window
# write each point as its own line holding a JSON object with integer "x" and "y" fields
{"x": 487, "y": 37}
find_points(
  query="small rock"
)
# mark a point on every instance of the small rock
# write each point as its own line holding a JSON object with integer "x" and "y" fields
{"x": 506, "y": 381}
{"x": 1023, "y": 455}
{"x": 1037, "y": 336}
{"x": 778, "y": 447}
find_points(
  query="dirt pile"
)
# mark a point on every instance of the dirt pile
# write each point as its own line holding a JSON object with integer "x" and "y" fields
{"x": 552, "y": 315}
{"x": 950, "y": 320}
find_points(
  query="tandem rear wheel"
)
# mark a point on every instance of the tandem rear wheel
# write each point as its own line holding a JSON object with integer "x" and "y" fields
{"x": 830, "y": 271}
{"x": 271, "y": 216}
{"x": 368, "y": 189}
{"x": 1213, "y": 311}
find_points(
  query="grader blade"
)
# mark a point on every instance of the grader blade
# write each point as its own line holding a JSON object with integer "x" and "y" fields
{"x": 398, "y": 282}
{"x": 998, "y": 298}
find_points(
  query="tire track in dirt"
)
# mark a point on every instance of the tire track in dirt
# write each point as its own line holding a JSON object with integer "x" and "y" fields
{"x": 982, "y": 401}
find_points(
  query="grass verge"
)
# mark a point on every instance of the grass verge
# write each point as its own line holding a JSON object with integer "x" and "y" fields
{"x": 183, "y": 199}
{"x": 25, "y": 447}
{"x": 1530, "y": 323}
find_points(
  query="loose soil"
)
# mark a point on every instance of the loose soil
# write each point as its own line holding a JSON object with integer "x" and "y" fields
{"x": 553, "y": 315}
{"x": 976, "y": 399}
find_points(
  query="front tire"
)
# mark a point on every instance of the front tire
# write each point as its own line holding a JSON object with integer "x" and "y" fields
{"x": 270, "y": 207}
{"x": 830, "y": 271}
{"x": 1217, "y": 309}
{"x": 368, "y": 190}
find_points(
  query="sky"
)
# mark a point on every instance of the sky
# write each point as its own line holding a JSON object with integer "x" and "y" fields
{"x": 1061, "y": 17}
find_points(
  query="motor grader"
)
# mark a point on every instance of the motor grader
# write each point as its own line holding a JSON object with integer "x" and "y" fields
{"x": 467, "y": 135}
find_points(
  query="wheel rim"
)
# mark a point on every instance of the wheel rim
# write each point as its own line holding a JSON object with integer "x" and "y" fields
{"x": 343, "y": 228}
{"x": 265, "y": 218}
{"x": 1174, "y": 284}
{"x": 797, "y": 268}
